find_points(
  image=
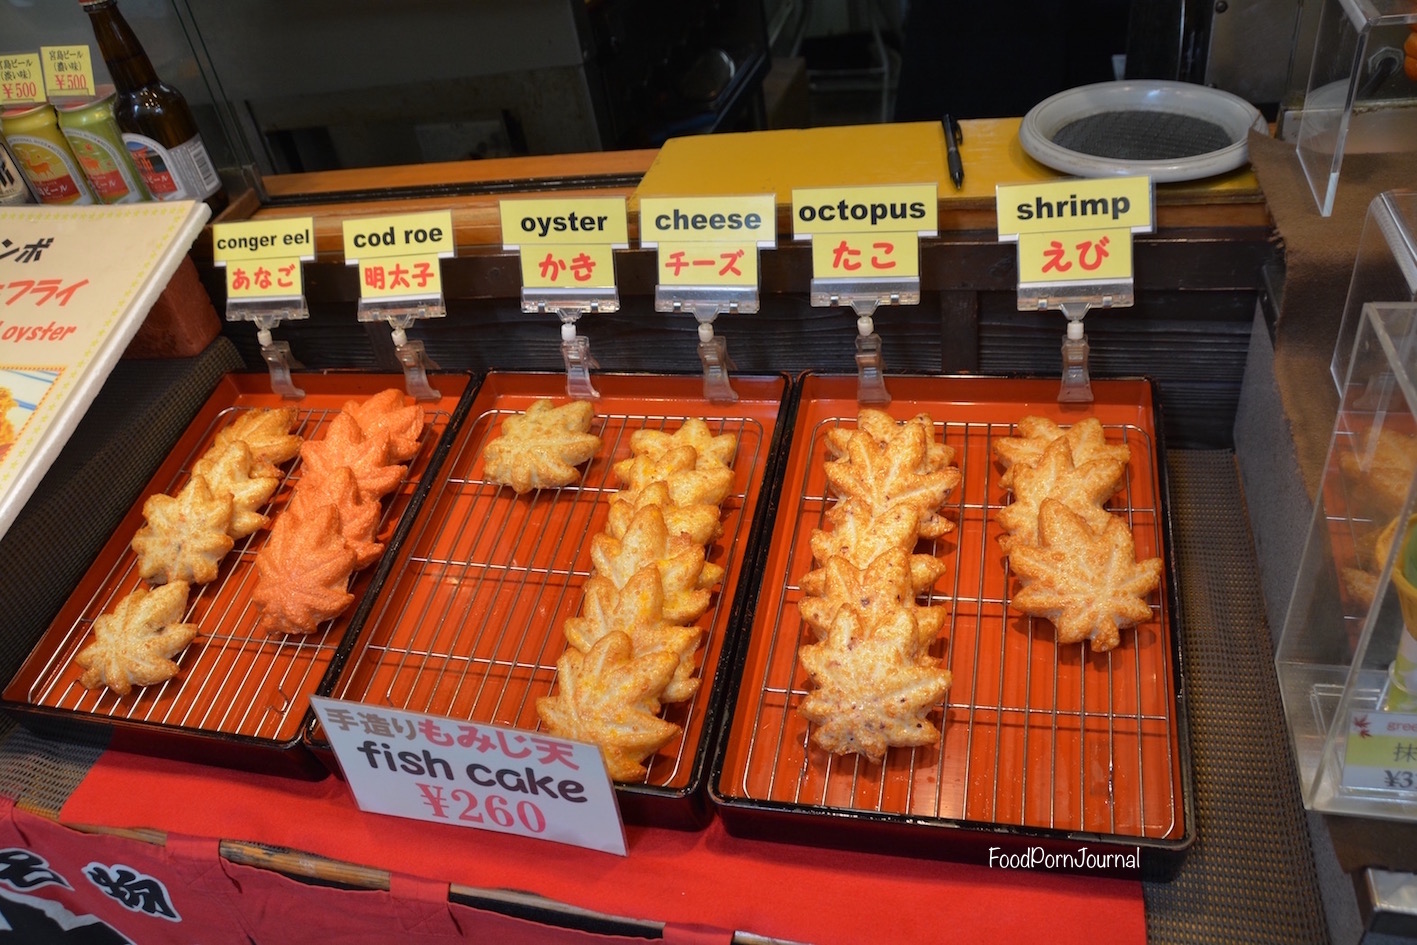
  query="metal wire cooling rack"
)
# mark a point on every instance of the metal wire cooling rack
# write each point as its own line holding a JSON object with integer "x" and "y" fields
{"x": 1033, "y": 734}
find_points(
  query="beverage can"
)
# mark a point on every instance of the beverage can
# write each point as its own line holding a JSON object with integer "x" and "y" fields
{"x": 183, "y": 172}
{"x": 44, "y": 156}
{"x": 13, "y": 188}
{"x": 93, "y": 136}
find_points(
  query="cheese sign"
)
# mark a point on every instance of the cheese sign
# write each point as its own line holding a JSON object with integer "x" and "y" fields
{"x": 896, "y": 208}
{"x": 21, "y": 79}
{"x": 731, "y": 220}
{"x": 1115, "y": 203}
{"x": 1380, "y": 752}
{"x": 408, "y": 234}
{"x": 708, "y": 264}
{"x": 263, "y": 257}
{"x": 583, "y": 221}
{"x": 68, "y": 70}
{"x": 485, "y": 777}
{"x": 866, "y": 256}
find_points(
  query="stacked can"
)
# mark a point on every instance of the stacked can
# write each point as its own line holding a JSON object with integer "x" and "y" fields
{"x": 13, "y": 188}
{"x": 43, "y": 154}
{"x": 93, "y": 135}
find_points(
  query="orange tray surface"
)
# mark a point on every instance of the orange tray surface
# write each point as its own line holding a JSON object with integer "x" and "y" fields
{"x": 234, "y": 681}
{"x": 468, "y": 623}
{"x": 1033, "y": 735}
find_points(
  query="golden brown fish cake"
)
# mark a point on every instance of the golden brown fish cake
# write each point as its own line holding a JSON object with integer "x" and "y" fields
{"x": 883, "y": 477}
{"x": 871, "y": 690}
{"x": 1083, "y": 489}
{"x": 541, "y": 448}
{"x": 876, "y": 592}
{"x": 134, "y": 645}
{"x": 885, "y": 430}
{"x": 861, "y": 539}
{"x": 710, "y": 450}
{"x": 232, "y": 470}
{"x": 1088, "y": 583}
{"x": 1086, "y": 439}
{"x": 184, "y": 537}
{"x": 266, "y": 431}
{"x": 684, "y": 574}
{"x": 699, "y": 523}
{"x": 678, "y": 468}
{"x": 607, "y": 697}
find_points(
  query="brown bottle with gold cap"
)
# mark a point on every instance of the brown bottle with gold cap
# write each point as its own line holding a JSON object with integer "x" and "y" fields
{"x": 155, "y": 120}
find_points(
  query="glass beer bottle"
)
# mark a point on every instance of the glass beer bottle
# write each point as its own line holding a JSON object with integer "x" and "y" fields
{"x": 156, "y": 122}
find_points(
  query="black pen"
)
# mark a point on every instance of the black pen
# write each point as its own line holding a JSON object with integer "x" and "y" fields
{"x": 954, "y": 137}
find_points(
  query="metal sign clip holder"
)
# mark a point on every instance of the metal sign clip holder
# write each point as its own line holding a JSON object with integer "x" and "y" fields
{"x": 569, "y": 305}
{"x": 864, "y": 297}
{"x": 401, "y": 314}
{"x": 266, "y": 314}
{"x": 1076, "y": 386}
{"x": 706, "y": 303}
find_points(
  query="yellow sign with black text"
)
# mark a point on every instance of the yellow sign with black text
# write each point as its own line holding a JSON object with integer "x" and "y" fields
{"x": 709, "y": 220}
{"x": 896, "y": 208}
{"x": 405, "y": 234}
{"x": 580, "y": 220}
{"x": 262, "y": 257}
{"x": 1117, "y": 203}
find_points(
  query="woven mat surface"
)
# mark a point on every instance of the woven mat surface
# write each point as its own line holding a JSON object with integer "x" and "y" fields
{"x": 1249, "y": 878}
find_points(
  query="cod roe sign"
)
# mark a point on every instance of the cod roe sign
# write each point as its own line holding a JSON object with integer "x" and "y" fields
{"x": 427, "y": 767}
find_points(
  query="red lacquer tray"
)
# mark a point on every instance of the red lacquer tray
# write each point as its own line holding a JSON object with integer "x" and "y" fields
{"x": 241, "y": 696}
{"x": 468, "y": 623}
{"x": 1038, "y": 741}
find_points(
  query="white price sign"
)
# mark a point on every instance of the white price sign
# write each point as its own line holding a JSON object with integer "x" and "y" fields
{"x": 488, "y": 777}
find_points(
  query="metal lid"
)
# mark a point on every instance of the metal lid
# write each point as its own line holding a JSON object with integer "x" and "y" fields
{"x": 78, "y": 105}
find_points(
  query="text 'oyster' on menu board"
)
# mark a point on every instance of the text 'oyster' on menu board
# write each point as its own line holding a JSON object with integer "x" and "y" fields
{"x": 566, "y": 244}
{"x": 262, "y": 257}
{"x": 398, "y": 255}
{"x": 487, "y": 777}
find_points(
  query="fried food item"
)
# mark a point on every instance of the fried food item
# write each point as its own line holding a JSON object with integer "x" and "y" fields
{"x": 231, "y": 469}
{"x": 346, "y": 445}
{"x": 267, "y": 433}
{"x": 860, "y": 539}
{"x": 606, "y": 697}
{"x": 709, "y": 450}
{"x": 1381, "y": 470}
{"x": 184, "y": 537}
{"x": 358, "y": 516}
{"x": 637, "y": 610}
{"x": 873, "y": 688}
{"x": 1083, "y": 489}
{"x": 541, "y": 448}
{"x": 302, "y": 572}
{"x": 134, "y": 645}
{"x": 884, "y": 429}
{"x": 699, "y": 523}
{"x": 678, "y": 468}
{"x": 877, "y": 592}
{"x": 683, "y": 573}
{"x": 387, "y": 414}
{"x": 883, "y": 477}
{"x": 1086, "y": 440}
{"x": 1087, "y": 582}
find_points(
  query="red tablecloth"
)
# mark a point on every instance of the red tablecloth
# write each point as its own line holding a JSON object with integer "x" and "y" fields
{"x": 704, "y": 878}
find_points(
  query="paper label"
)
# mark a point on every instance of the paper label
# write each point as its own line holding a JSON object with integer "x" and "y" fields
{"x": 400, "y": 277}
{"x": 68, "y": 71}
{"x": 580, "y": 221}
{"x": 1381, "y": 752}
{"x": 898, "y": 208}
{"x": 866, "y": 256}
{"x": 1114, "y": 203}
{"x": 1085, "y": 256}
{"x": 21, "y": 79}
{"x": 708, "y": 264}
{"x": 730, "y": 220}
{"x": 568, "y": 266}
{"x": 262, "y": 257}
{"x": 487, "y": 777}
{"x": 407, "y": 234}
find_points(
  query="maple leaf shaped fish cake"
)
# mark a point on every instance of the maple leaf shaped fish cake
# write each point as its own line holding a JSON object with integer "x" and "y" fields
{"x": 302, "y": 572}
{"x": 871, "y": 691}
{"x": 1088, "y": 583}
{"x": 877, "y": 592}
{"x": 232, "y": 470}
{"x": 637, "y": 610}
{"x": 134, "y": 645}
{"x": 267, "y": 433}
{"x": 699, "y": 523}
{"x": 345, "y": 445}
{"x": 1086, "y": 440}
{"x": 185, "y": 536}
{"x": 607, "y": 697}
{"x": 358, "y": 516}
{"x": 678, "y": 468}
{"x": 541, "y": 448}
{"x": 861, "y": 538}
{"x": 709, "y": 450}
{"x": 883, "y": 477}
{"x": 1081, "y": 488}
{"x": 884, "y": 429}
{"x": 388, "y": 415}
{"x": 684, "y": 575}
